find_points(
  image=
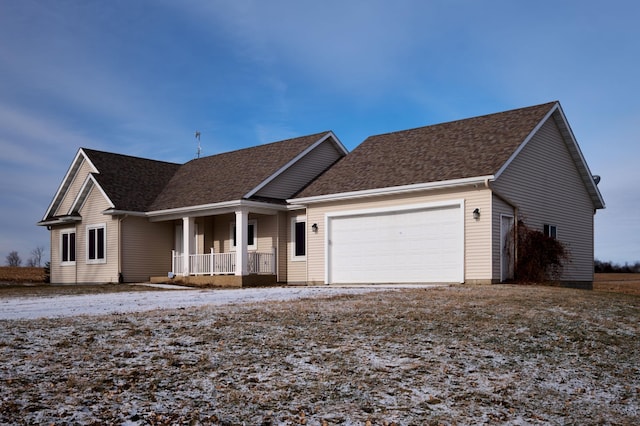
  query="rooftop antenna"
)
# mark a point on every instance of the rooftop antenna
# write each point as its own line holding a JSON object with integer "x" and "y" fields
{"x": 198, "y": 137}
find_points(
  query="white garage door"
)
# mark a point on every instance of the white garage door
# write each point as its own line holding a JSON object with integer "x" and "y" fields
{"x": 402, "y": 246}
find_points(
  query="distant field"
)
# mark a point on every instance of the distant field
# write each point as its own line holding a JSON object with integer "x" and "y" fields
{"x": 618, "y": 283}
{"x": 9, "y": 274}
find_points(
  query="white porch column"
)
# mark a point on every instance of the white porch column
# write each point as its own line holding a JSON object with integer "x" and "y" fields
{"x": 242, "y": 232}
{"x": 188, "y": 226}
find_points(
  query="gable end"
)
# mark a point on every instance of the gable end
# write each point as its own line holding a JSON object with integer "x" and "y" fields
{"x": 301, "y": 170}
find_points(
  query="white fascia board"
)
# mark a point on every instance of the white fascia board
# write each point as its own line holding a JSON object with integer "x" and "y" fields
{"x": 60, "y": 221}
{"x": 115, "y": 212}
{"x": 392, "y": 190}
{"x": 295, "y": 160}
{"x": 574, "y": 148}
{"x": 214, "y": 209}
{"x": 339, "y": 143}
{"x": 526, "y": 141}
{"x": 572, "y": 145}
{"x": 67, "y": 176}
{"x": 81, "y": 197}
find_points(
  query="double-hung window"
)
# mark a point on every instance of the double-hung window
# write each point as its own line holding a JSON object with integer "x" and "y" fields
{"x": 299, "y": 238}
{"x": 68, "y": 246}
{"x": 252, "y": 235}
{"x": 96, "y": 244}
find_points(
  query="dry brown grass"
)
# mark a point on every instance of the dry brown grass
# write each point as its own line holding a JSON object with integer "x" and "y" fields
{"x": 457, "y": 355}
{"x": 618, "y": 283}
{"x": 10, "y": 274}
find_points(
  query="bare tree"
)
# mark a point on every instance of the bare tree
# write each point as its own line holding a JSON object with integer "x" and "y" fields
{"x": 13, "y": 259}
{"x": 36, "y": 259}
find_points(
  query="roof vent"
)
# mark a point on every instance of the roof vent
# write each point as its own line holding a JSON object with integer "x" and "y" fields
{"x": 596, "y": 179}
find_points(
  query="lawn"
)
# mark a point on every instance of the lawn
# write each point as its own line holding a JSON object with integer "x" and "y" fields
{"x": 449, "y": 355}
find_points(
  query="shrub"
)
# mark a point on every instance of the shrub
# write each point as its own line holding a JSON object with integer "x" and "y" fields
{"x": 47, "y": 272}
{"x": 540, "y": 258}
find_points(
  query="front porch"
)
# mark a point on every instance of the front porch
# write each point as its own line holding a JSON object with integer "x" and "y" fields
{"x": 222, "y": 248}
{"x": 222, "y": 263}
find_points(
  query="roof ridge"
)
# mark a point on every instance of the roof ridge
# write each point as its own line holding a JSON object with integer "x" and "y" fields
{"x": 261, "y": 145}
{"x": 463, "y": 119}
{"x": 97, "y": 151}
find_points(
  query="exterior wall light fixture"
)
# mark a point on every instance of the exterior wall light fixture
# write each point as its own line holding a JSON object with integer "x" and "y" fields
{"x": 476, "y": 214}
{"x": 314, "y": 227}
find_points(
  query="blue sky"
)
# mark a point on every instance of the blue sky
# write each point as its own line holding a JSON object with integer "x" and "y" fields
{"x": 140, "y": 77}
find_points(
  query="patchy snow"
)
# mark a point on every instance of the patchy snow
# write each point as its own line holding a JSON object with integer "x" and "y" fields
{"x": 182, "y": 297}
{"x": 348, "y": 356}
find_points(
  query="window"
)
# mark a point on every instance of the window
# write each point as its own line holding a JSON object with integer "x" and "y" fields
{"x": 252, "y": 235}
{"x": 96, "y": 244}
{"x": 299, "y": 238}
{"x": 68, "y": 246}
{"x": 550, "y": 231}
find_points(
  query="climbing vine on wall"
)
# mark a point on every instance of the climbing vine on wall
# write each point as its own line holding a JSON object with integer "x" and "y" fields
{"x": 540, "y": 258}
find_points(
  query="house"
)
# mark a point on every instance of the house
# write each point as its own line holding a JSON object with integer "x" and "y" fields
{"x": 221, "y": 219}
{"x": 431, "y": 204}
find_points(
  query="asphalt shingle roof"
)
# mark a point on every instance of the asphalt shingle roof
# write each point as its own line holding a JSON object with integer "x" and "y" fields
{"x": 466, "y": 148}
{"x": 131, "y": 183}
{"x": 228, "y": 176}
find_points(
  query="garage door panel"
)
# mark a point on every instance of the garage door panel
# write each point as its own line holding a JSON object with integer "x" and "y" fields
{"x": 402, "y": 246}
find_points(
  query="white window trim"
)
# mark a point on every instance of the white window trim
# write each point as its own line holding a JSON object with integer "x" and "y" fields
{"x": 253, "y": 246}
{"x": 68, "y": 231}
{"x": 97, "y": 226}
{"x": 550, "y": 227}
{"x": 295, "y": 220}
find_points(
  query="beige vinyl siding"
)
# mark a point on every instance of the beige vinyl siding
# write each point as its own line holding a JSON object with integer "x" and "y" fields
{"x": 146, "y": 248}
{"x": 61, "y": 274}
{"x": 91, "y": 214}
{"x": 544, "y": 183}
{"x": 221, "y": 241}
{"x": 74, "y": 188}
{"x": 302, "y": 172}
{"x": 477, "y": 250}
{"x": 296, "y": 269}
{"x": 267, "y": 226}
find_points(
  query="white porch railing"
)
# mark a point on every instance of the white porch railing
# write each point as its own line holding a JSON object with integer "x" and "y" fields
{"x": 223, "y": 263}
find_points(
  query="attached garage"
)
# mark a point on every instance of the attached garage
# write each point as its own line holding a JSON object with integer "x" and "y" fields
{"x": 405, "y": 244}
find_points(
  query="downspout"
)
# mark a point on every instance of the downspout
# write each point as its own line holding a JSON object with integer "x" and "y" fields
{"x": 120, "y": 220}
{"x": 514, "y": 206}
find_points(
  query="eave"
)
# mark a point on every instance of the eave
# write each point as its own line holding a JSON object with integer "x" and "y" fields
{"x": 215, "y": 209}
{"x": 60, "y": 220}
{"x": 392, "y": 190}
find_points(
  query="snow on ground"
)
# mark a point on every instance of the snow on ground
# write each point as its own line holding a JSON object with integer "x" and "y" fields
{"x": 182, "y": 297}
{"x": 349, "y": 356}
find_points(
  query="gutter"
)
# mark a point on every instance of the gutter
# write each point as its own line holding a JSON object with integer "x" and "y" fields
{"x": 391, "y": 190}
